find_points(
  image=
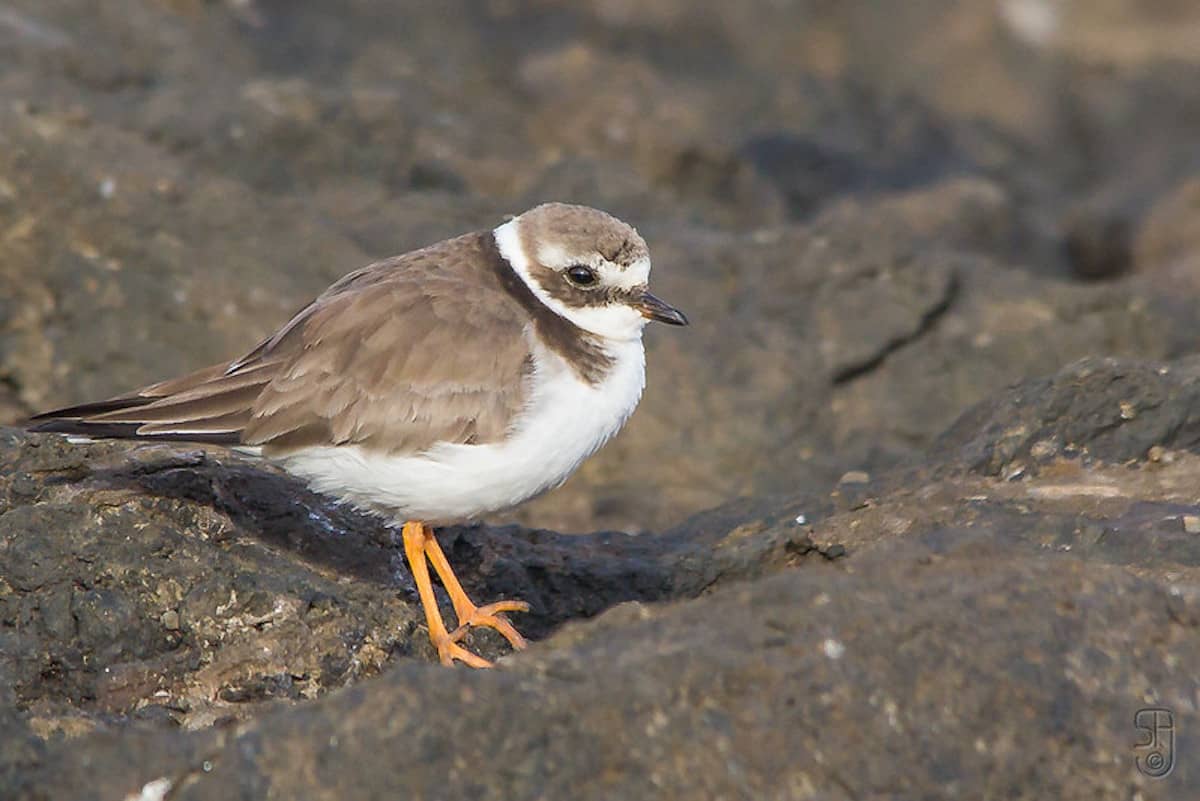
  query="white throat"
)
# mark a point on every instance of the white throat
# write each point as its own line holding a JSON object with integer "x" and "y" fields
{"x": 617, "y": 321}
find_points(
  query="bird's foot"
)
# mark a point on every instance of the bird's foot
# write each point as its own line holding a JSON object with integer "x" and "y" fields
{"x": 449, "y": 650}
{"x": 489, "y": 617}
{"x": 419, "y": 546}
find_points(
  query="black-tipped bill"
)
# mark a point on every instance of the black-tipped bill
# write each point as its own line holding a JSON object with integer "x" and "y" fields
{"x": 656, "y": 309}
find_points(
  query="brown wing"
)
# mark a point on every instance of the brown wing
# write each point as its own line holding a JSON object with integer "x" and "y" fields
{"x": 420, "y": 349}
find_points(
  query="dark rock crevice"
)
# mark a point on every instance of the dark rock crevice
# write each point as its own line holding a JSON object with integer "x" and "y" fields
{"x": 928, "y": 321}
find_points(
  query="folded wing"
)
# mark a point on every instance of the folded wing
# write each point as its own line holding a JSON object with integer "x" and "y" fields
{"x": 396, "y": 358}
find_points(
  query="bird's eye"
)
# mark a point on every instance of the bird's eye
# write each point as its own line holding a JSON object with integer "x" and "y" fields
{"x": 581, "y": 276}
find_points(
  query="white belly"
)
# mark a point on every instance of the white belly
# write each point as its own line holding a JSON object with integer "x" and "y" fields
{"x": 566, "y": 421}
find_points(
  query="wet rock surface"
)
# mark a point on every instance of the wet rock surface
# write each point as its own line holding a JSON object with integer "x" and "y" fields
{"x": 942, "y": 270}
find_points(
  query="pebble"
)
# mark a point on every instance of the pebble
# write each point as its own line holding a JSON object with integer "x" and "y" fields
{"x": 833, "y": 649}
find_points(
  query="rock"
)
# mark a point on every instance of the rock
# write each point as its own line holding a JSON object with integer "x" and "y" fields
{"x": 1168, "y": 240}
{"x": 1103, "y": 408}
{"x": 815, "y": 669}
{"x": 788, "y": 652}
{"x": 206, "y": 585}
{"x": 1098, "y": 244}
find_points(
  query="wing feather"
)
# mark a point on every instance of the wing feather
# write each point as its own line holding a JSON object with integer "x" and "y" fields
{"x": 409, "y": 352}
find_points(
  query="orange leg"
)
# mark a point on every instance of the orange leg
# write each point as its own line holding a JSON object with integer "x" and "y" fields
{"x": 419, "y": 545}
{"x": 465, "y": 610}
{"x": 448, "y": 649}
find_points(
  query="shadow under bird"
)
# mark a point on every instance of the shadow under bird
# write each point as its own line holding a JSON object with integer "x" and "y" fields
{"x": 432, "y": 387}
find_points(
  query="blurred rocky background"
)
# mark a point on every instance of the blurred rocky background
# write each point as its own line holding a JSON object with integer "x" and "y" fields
{"x": 942, "y": 259}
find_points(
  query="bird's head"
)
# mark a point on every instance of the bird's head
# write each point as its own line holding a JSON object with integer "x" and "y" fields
{"x": 587, "y": 266}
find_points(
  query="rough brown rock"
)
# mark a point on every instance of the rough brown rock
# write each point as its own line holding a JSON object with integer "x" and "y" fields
{"x": 199, "y": 585}
{"x": 950, "y": 679}
{"x": 949, "y": 618}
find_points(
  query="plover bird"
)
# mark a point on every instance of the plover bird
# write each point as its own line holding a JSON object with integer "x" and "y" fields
{"x": 433, "y": 387}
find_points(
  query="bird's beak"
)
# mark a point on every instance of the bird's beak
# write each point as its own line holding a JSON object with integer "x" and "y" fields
{"x": 655, "y": 309}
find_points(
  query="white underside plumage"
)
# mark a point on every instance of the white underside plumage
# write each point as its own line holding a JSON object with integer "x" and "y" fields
{"x": 565, "y": 421}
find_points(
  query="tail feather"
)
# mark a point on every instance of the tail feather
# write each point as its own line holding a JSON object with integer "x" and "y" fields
{"x": 91, "y": 409}
{"x": 207, "y": 406}
{"x": 86, "y": 430}
{"x": 180, "y": 409}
